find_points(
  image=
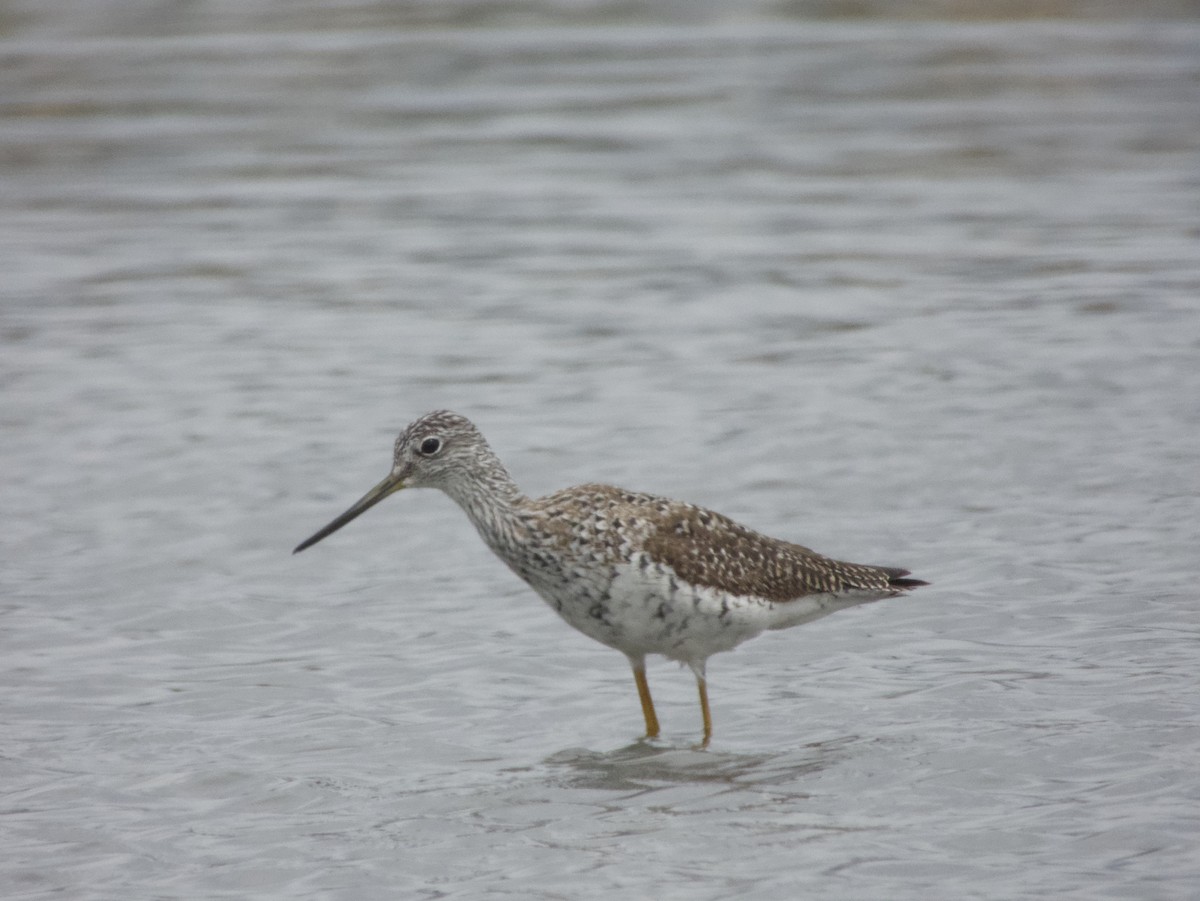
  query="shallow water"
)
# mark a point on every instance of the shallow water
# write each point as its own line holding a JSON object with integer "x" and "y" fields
{"x": 912, "y": 293}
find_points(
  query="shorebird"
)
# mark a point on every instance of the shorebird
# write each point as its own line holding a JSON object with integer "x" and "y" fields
{"x": 639, "y": 573}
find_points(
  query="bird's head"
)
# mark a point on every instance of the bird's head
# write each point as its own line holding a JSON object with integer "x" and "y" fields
{"x": 439, "y": 450}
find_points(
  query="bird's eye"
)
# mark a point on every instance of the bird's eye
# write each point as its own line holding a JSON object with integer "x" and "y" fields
{"x": 431, "y": 446}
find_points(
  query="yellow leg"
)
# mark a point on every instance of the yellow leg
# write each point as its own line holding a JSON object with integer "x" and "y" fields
{"x": 643, "y": 687}
{"x": 703, "y": 686}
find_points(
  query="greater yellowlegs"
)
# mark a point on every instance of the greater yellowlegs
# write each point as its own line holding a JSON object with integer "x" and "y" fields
{"x": 639, "y": 573}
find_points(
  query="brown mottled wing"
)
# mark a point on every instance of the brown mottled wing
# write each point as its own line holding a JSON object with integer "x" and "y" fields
{"x": 706, "y": 548}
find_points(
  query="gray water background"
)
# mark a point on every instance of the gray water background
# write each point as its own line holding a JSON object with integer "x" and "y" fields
{"x": 920, "y": 292}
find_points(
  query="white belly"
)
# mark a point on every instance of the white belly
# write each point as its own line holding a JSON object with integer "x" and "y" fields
{"x": 642, "y": 608}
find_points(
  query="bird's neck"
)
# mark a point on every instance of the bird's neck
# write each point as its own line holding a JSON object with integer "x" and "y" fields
{"x": 493, "y": 502}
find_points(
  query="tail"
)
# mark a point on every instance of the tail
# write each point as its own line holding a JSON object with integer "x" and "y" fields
{"x": 896, "y": 579}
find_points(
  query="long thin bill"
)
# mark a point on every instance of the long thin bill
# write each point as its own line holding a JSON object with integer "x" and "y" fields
{"x": 390, "y": 485}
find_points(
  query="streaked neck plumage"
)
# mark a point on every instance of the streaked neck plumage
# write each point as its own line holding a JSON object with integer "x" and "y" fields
{"x": 491, "y": 500}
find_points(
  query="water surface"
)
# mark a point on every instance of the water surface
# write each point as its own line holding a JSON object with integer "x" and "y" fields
{"x": 918, "y": 293}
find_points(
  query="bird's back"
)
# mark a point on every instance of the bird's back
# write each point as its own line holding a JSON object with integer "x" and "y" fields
{"x": 703, "y": 548}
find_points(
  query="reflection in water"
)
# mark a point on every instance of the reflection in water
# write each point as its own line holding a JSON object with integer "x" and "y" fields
{"x": 650, "y": 764}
